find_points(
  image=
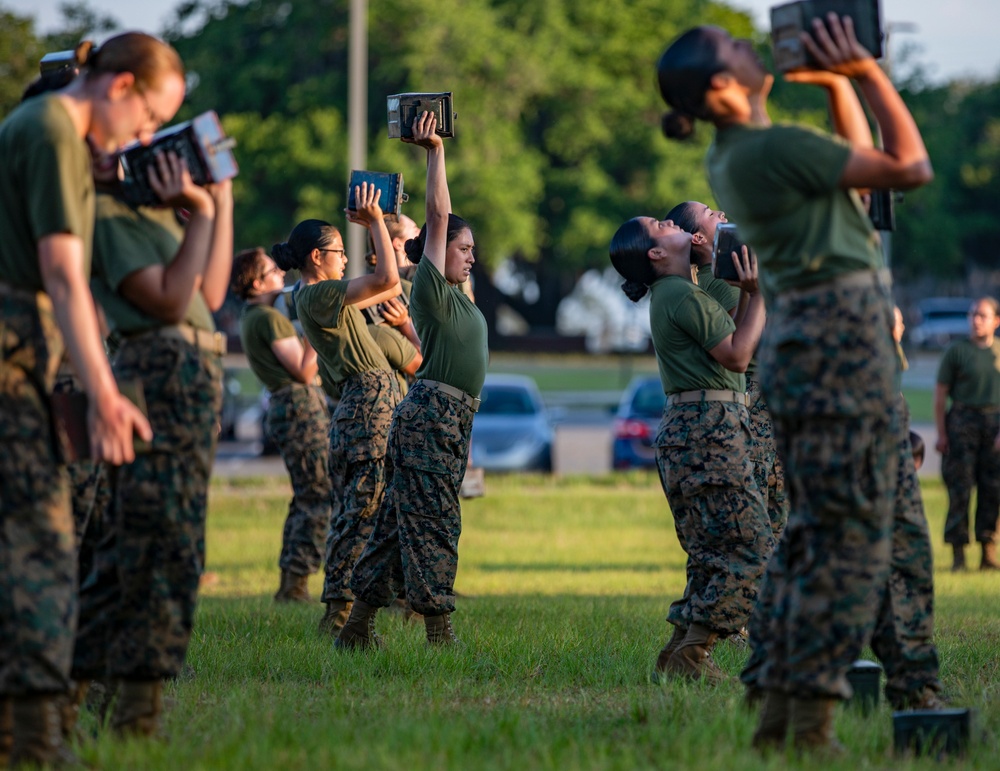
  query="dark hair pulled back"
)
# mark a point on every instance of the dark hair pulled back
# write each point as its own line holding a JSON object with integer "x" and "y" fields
{"x": 306, "y": 236}
{"x": 629, "y": 253}
{"x": 248, "y": 266}
{"x": 414, "y": 247}
{"x": 148, "y": 58}
{"x": 684, "y": 72}
{"x": 683, "y": 217}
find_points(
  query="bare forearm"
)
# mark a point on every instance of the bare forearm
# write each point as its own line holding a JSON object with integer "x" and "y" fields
{"x": 847, "y": 114}
{"x": 900, "y": 136}
{"x": 220, "y": 260}
{"x": 438, "y": 196}
{"x": 746, "y": 338}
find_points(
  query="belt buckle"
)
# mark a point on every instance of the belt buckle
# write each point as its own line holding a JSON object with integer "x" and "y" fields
{"x": 476, "y": 401}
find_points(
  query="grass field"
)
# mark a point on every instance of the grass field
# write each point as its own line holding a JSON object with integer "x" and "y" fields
{"x": 564, "y": 585}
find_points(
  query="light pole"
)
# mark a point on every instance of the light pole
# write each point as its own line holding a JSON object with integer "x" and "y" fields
{"x": 357, "y": 130}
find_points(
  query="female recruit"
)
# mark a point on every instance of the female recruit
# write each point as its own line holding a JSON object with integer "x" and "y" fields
{"x": 297, "y": 420}
{"x": 158, "y": 279}
{"x": 827, "y": 358}
{"x": 352, "y": 369}
{"x": 704, "y": 444}
{"x": 126, "y": 89}
{"x": 415, "y": 542}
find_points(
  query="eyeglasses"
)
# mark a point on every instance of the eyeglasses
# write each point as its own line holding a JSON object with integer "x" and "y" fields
{"x": 269, "y": 271}
{"x": 337, "y": 251}
{"x": 150, "y": 115}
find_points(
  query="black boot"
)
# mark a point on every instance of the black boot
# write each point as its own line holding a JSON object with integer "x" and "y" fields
{"x": 958, "y": 560}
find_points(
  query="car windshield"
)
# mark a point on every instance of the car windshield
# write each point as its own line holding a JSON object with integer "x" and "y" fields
{"x": 648, "y": 400}
{"x": 503, "y": 400}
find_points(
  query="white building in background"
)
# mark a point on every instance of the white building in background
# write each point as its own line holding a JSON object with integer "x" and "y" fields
{"x": 598, "y": 309}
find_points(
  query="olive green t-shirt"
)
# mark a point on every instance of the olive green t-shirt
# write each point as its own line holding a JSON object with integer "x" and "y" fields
{"x": 399, "y": 351}
{"x": 728, "y": 296}
{"x": 46, "y": 188}
{"x": 338, "y": 333}
{"x": 780, "y": 183}
{"x": 685, "y": 324}
{"x": 260, "y": 326}
{"x": 971, "y": 373}
{"x": 452, "y": 331}
{"x": 129, "y": 239}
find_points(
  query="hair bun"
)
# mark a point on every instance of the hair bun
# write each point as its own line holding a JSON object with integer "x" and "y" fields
{"x": 282, "y": 256}
{"x": 677, "y": 125}
{"x": 414, "y": 249}
{"x": 634, "y": 290}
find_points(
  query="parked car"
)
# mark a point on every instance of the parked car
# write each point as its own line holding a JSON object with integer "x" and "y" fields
{"x": 636, "y": 421}
{"x": 941, "y": 320}
{"x": 512, "y": 430}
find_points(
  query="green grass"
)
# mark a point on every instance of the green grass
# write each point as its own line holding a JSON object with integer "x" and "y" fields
{"x": 564, "y": 585}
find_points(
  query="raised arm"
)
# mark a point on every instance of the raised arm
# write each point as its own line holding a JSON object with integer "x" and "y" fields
{"x": 438, "y": 197}
{"x": 903, "y": 163}
{"x": 165, "y": 291}
{"x": 846, "y": 113}
{"x": 384, "y": 281}
{"x": 735, "y": 352}
{"x": 215, "y": 281}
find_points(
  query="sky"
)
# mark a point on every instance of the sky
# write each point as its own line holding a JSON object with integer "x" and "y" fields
{"x": 957, "y": 38}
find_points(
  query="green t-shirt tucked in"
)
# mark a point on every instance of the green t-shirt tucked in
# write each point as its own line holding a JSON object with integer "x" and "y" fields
{"x": 129, "y": 239}
{"x": 452, "y": 331}
{"x": 260, "y": 326}
{"x": 686, "y": 323}
{"x": 780, "y": 185}
{"x": 971, "y": 373}
{"x": 46, "y": 188}
{"x": 399, "y": 351}
{"x": 338, "y": 332}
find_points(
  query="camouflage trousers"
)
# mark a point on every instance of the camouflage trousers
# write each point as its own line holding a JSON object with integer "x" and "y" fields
{"x": 38, "y": 599}
{"x": 297, "y": 422}
{"x": 971, "y": 461}
{"x": 137, "y": 604}
{"x": 767, "y": 468}
{"x": 829, "y": 378}
{"x": 359, "y": 431}
{"x": 415, "y": 542}
{"x": 703, "y": 455}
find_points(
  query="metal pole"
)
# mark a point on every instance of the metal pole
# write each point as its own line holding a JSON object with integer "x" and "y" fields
{"x": 357, "y": 130}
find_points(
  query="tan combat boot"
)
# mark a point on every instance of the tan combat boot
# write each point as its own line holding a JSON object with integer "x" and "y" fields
{"x": 439, "y": 631}
{"x": 138, "y": 707}
{"x": 989, "y": 561}
{"x": 693, "y": 656}
{"x": 811, "y": 723}
{"x": 660, "y": 667}
{"x": 336, "y": 615}
{"x": 773, "y": 725}
{"x": 359, "y": 631}
{"x": 958, "y": 560}
{"x": 69, "y": 708}
{"x": 36, "y": 728}
{"x": 294, "y": 588}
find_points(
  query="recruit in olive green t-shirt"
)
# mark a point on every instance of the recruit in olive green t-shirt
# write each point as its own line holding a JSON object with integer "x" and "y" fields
{"x": 260, "y": 326}
{"x": 129, "y": 239}
{"x": 46, "y": 188}
{"x": 685, "y": 324}
{"x": 452, "y": 331}
{"x": 338, "y": 332}
{"x": 399, "y": 351}
{"x": 780, "y": 185}
{"x": 971, "y": 373}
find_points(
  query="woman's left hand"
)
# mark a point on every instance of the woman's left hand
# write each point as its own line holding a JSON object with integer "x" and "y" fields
{"x": 394, "y": 312}
{"x": 368, "y": 212}
{"x": 746, "y": 269}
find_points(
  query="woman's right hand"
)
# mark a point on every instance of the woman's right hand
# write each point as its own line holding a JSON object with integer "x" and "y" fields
{"x": 425, "y": 132}
{"x": 836, "y": 47}
{"x": 171, "y": 181}
{"x": 366, "y": 197}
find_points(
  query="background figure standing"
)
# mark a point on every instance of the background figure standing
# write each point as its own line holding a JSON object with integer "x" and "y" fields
{"x": 415, "y": 541}
{"x": 353, "y": 369}
{"x": 158, "y": 279}
{"x": 969, "y": 433}
{"x": 46, "y": 309}
{"x": 827, "y": 357}
{"x": 704, "y": 444}
{"x": 297, "y": 420}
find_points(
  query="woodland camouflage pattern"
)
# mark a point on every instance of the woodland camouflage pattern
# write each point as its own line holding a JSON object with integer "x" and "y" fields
{"x": 359, "y": 431}
{"x": 37, "y": 544}
{"x": 297, "y": 422}
{"x": 703, "y": 453}
{"x": 415, "y": 543}
{"x": 971, "y": 462}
